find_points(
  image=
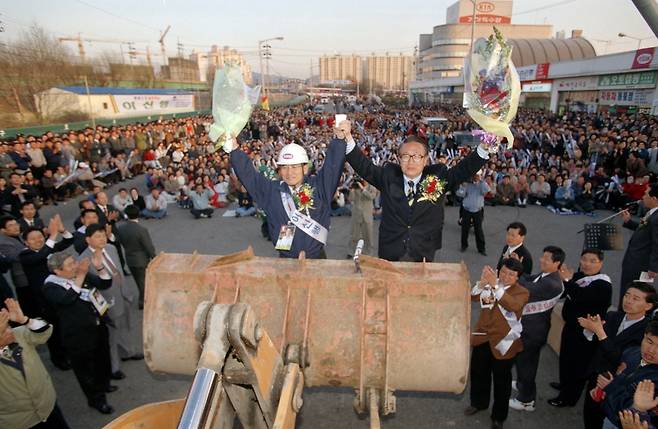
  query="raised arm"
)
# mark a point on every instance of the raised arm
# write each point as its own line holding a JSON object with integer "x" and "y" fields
{"x": 330, "y": 172}
{"x": 256, "y": 184}
{"x": 365, "y": 168}
{"x": 465, "y": 169}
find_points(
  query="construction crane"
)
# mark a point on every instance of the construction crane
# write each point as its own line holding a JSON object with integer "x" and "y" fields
{"x": 162, "y": 45}
{"x": 81, "y": 48}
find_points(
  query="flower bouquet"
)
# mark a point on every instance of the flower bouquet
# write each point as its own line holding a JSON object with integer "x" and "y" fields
{"x": 431, "y": 189}
{"x": 232, "y": 103}
{"x": 492, "y": 89}
{"x": 303, "y": 197}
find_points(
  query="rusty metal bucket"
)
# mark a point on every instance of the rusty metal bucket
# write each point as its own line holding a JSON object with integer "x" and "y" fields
{"x": 394, "y": 326}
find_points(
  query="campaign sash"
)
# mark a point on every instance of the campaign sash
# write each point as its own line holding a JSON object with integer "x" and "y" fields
{"x": 309, "y": 226}
{"x": 585, "y": 281}
{"x": 541, "y": 306}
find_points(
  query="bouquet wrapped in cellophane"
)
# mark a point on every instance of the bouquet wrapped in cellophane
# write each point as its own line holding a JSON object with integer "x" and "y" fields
{"x": 492, "y": 89}
{"x": 232, "y": 103}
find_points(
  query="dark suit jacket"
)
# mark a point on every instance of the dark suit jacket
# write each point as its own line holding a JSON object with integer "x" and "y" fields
{"x": 522, "y": 252}
{"x": 38, "y": 223}
{"x": 416, "y": 230}
{"x": 35, "y": 263}
{"x": 35, "y": 266}
{"x": 102, "y": 218}
{"x": 11, "y": 247}
{"x": 79, "y": 242}
{"x": 78, "y": 319}
{"x": 137, "y": 243}
{"x": 581, "y": 301}
{"x": 641, "y": 250}
{"x": 536, "y": 326}
{"x": 608, "y": 354}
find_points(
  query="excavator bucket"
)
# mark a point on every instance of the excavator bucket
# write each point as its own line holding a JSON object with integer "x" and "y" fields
{"x": 376, "y": 325}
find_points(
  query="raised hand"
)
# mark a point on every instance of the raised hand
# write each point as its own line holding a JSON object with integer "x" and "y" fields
{"x": 15, "y": 311}
{"x": 631, "y": 420}
{"x": 625, "y": 215}
{"x": 644, "y": 399}
{"x": 53, "y": 227}
{"x": 566, "y": 273}
{"x": 4, "y": 320}
{"x": 83, "y": 268}
{"x": 602, "y": 381}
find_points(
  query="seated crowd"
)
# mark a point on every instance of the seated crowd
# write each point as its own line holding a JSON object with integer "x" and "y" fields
{"x": 85, "y": 306}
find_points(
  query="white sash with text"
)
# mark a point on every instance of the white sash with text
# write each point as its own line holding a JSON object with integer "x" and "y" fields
{"x": 305, "y": 223}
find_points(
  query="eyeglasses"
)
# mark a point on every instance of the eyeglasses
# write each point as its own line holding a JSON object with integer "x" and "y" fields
{"x": 405, "y": 157}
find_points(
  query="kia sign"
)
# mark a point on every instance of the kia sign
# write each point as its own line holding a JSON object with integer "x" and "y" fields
{"x": 643, "y": 58}
{"x": 485, "y": 7}
{"x": 486, "y": 12}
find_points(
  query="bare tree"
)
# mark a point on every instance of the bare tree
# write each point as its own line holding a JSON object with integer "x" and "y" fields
{"x": 33, "y": 63}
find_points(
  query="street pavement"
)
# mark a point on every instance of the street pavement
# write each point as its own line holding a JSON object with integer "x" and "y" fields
{"x": 179, "y": 232}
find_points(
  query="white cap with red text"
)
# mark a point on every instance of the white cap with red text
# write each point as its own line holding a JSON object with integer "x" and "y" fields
{"x": 292, "y": 154}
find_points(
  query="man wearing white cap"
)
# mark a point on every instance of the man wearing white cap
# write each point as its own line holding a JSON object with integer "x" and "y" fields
{"x": 297, "y": 207}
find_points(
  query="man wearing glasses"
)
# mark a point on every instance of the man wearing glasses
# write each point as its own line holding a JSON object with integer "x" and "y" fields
{"x": 412, "y": 215}
{"x": 297, "y": 207}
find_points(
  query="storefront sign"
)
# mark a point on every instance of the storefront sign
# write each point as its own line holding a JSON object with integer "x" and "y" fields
{"x": 577, "y": 84}
{"x": 533, "y": 72}
{"x": 643, "y": 58}
{"x": 486, "y": 12}
{"x": 537, "y": 86}
{"x": 636, "y": 97}
{"x": 527, "y": 72}
{"x": 628, "y": 80}
{"x": 542, "y": 71}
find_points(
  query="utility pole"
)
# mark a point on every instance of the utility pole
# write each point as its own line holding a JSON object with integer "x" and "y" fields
{"x": 180, "y": 49}
{"x": 131, "y": 52}
{"x": 260, "y": 70}
{"x": 264, "y": 52}
{"x": 267, "y": 54}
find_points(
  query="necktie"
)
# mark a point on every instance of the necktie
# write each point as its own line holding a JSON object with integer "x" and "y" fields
{"x": 110, "y": 264}
{"x": 411, "y": 193}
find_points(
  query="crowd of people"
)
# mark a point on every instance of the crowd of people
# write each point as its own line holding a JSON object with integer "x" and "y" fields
{"x": 296, "y": 168}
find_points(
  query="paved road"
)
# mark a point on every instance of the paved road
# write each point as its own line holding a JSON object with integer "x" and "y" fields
{"x": 332, "y": 408}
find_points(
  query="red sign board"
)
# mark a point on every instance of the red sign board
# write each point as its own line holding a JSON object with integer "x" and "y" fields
{"x": 643, "y": 58}
{"x": 542, "y": 71}
{"x": 485, "y": 19}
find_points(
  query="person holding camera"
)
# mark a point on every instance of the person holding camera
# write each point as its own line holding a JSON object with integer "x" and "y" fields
{"x": 473, "y": 193}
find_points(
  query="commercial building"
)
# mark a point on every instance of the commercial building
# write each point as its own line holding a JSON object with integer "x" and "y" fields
{"x": 624, "y": 81}
{"x": 207, "y": 63}
{"x": 442, "y": 53}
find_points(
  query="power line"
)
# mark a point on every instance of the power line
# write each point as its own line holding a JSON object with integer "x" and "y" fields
{"x": 141, "y": 24}
{"x": 537, "y": 9}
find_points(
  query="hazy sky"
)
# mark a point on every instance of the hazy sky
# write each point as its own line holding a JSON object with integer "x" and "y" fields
{"x": 310, "y": 28}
